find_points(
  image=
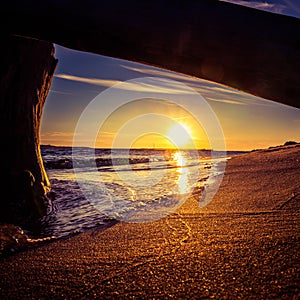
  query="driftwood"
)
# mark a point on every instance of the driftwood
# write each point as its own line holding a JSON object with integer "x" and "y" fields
{"x": 250, "y": 50}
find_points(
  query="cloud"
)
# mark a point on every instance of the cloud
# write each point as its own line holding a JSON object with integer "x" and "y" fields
{"x": 226, "y": 101}
{"x": 58, "y": 138}
{"x": 57, "y": 134}
{"x": 209, "y": 90}
{"x": 107, "y": 134}
{"x": 60, "y": 92}
{"x": 165, "y": 87}
{"x": 262, "y": 5}
{"x": 95, "y": 81}
{"x": 158, "y": 72}
{"x": 198, "y": 84}
{"x": 215, "y": 89}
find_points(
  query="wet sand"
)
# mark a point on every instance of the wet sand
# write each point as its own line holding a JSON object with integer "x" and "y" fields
{"x": 244, "y": 245}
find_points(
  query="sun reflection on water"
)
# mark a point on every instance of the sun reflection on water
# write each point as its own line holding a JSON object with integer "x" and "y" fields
{"x": 183, "y": 173}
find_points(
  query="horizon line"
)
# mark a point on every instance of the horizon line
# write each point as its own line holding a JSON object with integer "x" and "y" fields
{"x": 146, "y": 148}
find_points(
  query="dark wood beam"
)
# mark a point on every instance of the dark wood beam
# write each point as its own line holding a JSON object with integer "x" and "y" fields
{"x": 250, "y": 50}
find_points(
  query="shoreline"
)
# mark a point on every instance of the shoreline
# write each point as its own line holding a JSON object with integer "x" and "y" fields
{"x": 244, "y": 244}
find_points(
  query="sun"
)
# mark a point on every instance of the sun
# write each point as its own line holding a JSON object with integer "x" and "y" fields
{"x": 180, "y": 135}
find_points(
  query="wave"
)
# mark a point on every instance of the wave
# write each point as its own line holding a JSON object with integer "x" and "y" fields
{"x": 134, "y": 159}
{"x": 67, "y": 163}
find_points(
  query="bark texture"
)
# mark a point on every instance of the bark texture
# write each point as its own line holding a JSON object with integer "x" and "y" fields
{"x": 26, "y": 71}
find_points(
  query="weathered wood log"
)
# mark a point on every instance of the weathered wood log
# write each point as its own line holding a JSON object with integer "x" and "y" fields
{"x": 26, "y": 71}
{"x": 248, "y": 49}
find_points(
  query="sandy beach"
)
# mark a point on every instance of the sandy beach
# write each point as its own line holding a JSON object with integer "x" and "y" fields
{"x": 244, "y": 245}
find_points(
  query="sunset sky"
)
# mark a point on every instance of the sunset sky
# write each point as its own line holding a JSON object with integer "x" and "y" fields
{"x": 248, "y": 122}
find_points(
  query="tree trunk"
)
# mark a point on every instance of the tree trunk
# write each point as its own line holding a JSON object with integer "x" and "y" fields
{"x": 27, "y": 67}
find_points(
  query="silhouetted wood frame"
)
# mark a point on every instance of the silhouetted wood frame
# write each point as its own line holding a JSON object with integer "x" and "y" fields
{"x": 244, "y": 48}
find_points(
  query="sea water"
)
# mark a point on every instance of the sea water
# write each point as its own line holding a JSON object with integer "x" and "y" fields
{"x": 96, "y": 187}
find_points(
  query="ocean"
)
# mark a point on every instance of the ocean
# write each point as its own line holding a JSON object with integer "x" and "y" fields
{"x": 97, "y": 187}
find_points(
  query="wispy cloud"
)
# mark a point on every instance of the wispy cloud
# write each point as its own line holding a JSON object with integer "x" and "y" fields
{"x": 57, "y": 138}
{"x": 57, "y": 134}
{"x": 215, "y": 89}
{"x": 226, "y": 101}
{"x": 158, "y": 72}
{"x": 262, "y": 5}
{"x": 164, "y": 86}
{"x": 95, "y": 81}
{"x": 60, "y": 92}
{"x": 107, "y": 134}
{"x": 209, "y": 90}
{"x": 199, "y": 84}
